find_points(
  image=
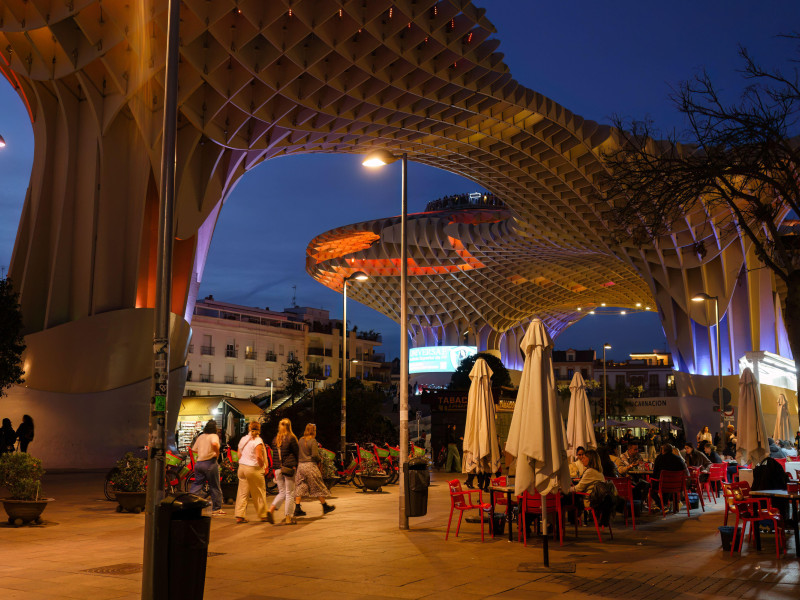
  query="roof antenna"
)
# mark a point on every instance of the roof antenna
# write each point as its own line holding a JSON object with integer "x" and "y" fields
{"x": 294, "y": 297}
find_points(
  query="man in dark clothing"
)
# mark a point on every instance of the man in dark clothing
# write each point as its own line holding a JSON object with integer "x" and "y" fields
{"x": 666, "y": 461}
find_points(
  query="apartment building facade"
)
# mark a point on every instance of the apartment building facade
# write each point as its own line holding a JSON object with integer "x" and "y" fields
{"x": 238, "y": 351}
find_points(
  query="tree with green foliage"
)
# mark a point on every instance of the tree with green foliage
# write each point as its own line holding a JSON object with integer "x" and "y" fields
{"x": 12, "y": 344}
{"x": 500, "y": 377}
{"x": 365, "y": 423}
{"x": 295, "y": 381}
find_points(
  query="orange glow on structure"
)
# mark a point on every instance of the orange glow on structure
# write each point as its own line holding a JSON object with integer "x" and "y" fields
{"x": 337, "y": 245}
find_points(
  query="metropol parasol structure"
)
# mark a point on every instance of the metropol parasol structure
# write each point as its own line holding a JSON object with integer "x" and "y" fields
{"x": 259, "y": 80}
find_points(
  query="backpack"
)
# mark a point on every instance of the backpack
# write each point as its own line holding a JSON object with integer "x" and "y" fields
{"x": 603, "y": 499}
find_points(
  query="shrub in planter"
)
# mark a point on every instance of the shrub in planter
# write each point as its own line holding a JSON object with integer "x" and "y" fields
{"x": 130, "y": 483}
{"x": 327, "y": 467}
{"x": 229, "y": 478}
{"x": 370, "y": 476}
{"x": 21, "y": 474}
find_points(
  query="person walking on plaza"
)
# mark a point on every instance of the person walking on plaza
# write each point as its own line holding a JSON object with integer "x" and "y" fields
{"x": 25, "y": 433}
{"x": 285, "y": 451}
{"x": 206, "y": 467}
{"x": 705, "y": 435}
{"x": 8, "y": 437}
{"x": 453, "y": 463}
{"x": 252, "y": 460}
{"x": 308, "y": 481}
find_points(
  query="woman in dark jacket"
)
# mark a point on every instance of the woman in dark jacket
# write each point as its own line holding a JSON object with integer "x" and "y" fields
{"x": 285, "y": 452}
{"x": 7, "y": 437}
{"x": 25, "y": 433}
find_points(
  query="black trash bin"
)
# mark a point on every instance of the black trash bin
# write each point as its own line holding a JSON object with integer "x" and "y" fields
{"x": 417, "y": 479}
{"x": 182, "y": 535}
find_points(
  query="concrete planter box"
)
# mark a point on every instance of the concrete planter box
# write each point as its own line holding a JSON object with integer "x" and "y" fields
{"x": 21, "y": 512}
{"x": 131, "y": 501}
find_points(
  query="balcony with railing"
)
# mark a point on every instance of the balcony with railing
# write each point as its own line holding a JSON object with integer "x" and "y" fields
{"x": 191, "y": 348}
{"x": 231, "y": 353}
{"x": 315, "y": 351}
{"x": 207, "y": 350}
{"x": 206, "y": 378}
{"x": 271, "y": 357}
{"x": 250, "y": 355}
{"x": 230, "y": 379}
{"x": 249, "y": 380}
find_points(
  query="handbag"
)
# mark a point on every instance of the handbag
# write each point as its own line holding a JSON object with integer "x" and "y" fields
{"x": 285, "y": 471}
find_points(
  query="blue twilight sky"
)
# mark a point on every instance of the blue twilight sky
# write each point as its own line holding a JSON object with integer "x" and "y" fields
{"x": 596, "y": 59}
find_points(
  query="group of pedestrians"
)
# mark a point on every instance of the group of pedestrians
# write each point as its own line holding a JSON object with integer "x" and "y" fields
{"x": 295, "y": 464}
{"x": 19, "y": 439}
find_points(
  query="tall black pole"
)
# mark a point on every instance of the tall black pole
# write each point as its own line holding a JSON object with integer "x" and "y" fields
{"x": 157, "y": 439}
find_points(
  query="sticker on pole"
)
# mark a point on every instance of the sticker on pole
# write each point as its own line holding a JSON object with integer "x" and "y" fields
{"x": 160, "y": 403}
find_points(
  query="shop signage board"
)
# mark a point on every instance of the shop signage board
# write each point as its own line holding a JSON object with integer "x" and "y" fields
{"x": 645, "y": 407}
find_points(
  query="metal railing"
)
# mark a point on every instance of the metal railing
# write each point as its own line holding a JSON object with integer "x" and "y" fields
{"x": 251, "y": 355}
{"x": 206, "y": 378}
{"x": 271, "y": 357}
{"x": 249, "y": 380}
{"x": 230, "y": 379}
{"x": 230, "y": 353}
{"x": 207, "y": 350}
{"x": 316, "y": 351}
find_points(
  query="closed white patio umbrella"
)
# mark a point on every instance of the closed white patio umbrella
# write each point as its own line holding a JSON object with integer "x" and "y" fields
{"x": 481, "y": 450}
{"x": 752, "y": 446}
{"x": 783, "y": 430}
{"x": 580, "y": 431}
{"x": 536, "y": 436}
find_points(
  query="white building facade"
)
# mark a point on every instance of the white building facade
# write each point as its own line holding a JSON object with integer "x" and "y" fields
{"x": 236, "y": 351}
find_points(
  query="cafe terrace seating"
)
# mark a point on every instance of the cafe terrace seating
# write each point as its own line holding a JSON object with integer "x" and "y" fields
{"x": 460, "y": 500}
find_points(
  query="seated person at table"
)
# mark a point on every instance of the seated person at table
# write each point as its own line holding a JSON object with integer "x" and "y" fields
{"x": 592, "y": 473}
{"x": 711, "y": 452}
{"x": 693, "y": 458}
{"x": 666, "y": 461}
{"x": 630, "y": 459}
{"x": 576, "y": 467}
{"x": 608, "y": 465}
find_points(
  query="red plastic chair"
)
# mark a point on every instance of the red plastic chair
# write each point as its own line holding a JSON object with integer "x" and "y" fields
{"x": 579, "y": 508}
{"x": 673, "y": 482}
{"x": 697, "y": 485}
{"x": 748, "y": 510}
{"x": 460, "y": 500}
{"x": 781, "y": 462}
{"x": 716, "y": 478}
{"x": 532, "y": 505}
{"x": 625, "y": 490}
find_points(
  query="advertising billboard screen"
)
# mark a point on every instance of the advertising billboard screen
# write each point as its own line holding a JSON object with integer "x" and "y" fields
{"x": 438, "y": 359}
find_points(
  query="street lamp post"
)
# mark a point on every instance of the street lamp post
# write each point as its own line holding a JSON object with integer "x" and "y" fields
{"x": 703, "y": 297}
{"x": 379, "y": 158}
{"x": 157, "y": 426}
{"x": 606, "y": 346}
{"x": 269, "y": 381}
{"x": 357, "y": 276}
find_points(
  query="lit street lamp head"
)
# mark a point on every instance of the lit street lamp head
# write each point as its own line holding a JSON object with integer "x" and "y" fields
{"x": 379, "y": 158}
{"x": 358, "y": 276}
{"x": 606, "y": 346}
{"x": 702, "y": 297}
{"x": 2, "y": 142}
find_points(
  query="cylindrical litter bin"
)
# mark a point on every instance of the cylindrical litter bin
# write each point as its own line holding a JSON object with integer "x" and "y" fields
{"x": 181, "y": 539}
{"x": 417, "y": 479}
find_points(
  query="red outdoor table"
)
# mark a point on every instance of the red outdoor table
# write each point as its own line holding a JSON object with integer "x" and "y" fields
{"x": 793, "y": 498}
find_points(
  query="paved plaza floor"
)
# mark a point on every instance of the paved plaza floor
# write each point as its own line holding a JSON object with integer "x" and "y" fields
{"x": 358, "y": 552}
